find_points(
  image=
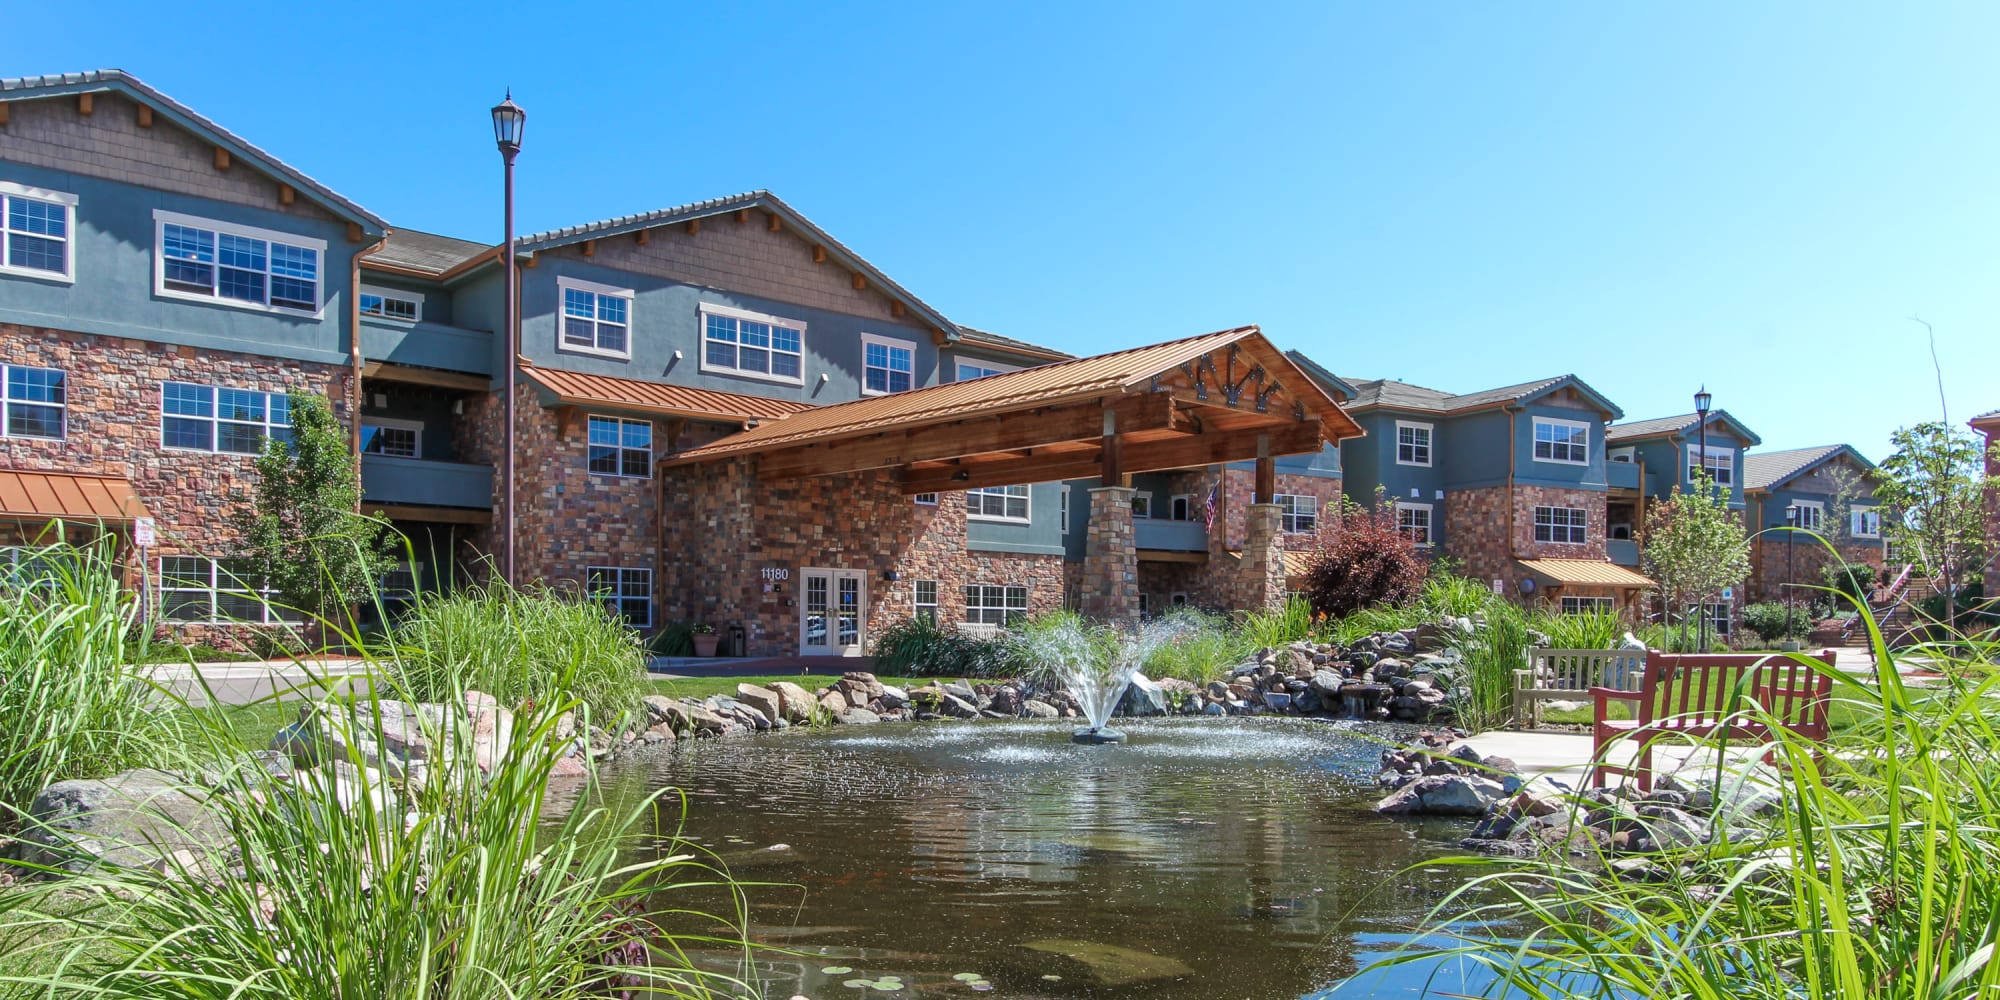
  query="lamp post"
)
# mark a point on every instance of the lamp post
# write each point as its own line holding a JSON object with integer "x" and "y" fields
{"x": 1702, "y": 400}
{"x": 1791, "y": 578}
{"x": 508, "y": 121}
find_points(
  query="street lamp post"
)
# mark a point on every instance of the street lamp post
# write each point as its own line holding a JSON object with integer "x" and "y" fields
{"x": 1702, "y": 400}
{"x": 508, "y": 122}
{"x": 1791, "y": 577}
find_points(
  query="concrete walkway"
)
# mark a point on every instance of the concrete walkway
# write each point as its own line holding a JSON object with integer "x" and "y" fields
{"x": 1566, "y": 757}
{"x": 246, "y": 681}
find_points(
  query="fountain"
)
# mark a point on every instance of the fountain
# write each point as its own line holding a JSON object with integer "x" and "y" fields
{"x": 1096, "y": 663}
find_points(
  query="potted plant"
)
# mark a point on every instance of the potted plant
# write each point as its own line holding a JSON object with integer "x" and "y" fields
{"x": 705, "y": 639}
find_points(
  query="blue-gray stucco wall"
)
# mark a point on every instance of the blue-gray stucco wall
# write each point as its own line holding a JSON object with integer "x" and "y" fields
{"x": 1042, "y": 535}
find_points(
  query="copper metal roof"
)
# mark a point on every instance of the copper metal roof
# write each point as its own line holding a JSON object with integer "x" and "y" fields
{"x": 656, "y": 397}
{"x": 46, "y": 496}
{"x": 1066, "y": 381}
{"x": 1586, "y": 572}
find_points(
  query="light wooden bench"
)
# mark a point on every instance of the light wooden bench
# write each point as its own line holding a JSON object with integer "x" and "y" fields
{"x": 1705, "y": 697}
{"x": 1569, "y": 674}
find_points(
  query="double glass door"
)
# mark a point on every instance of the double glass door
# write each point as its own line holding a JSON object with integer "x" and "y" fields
{"x": 833, "y": 612}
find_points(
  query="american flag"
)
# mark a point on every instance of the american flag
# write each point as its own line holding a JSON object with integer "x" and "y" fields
{"x": 1208, "y": 510}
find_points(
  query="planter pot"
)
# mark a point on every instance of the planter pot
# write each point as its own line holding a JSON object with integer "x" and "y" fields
{"x": 705, "y": 642}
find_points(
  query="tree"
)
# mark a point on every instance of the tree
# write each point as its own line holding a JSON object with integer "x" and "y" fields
{"x": 301, "y": 527}
{"x": 1362, "y": 558}
{"x": 1934, "y": 485}
{"x": 1695, "y": 546}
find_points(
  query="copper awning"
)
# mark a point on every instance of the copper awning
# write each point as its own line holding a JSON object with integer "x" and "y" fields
{"x": 658, "y": 398}
{"x": 1584, "y": 573}
{"x": 68, "y": 496}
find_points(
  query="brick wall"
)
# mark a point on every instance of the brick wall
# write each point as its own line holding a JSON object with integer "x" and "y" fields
{"x": 1476, "y": 533}
{"x": 1770, "y": 570}
{"x": 109, "y": 143}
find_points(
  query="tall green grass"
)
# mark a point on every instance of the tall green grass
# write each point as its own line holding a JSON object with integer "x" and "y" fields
{"x": 1280, "y": 627}
{"x": 1878, "y": 875}
{"x": 1600, "y": 629}
{"x": 72, "y": 705}
{"x": 1492, "y": 653}
{"x": 1204, "y": 646}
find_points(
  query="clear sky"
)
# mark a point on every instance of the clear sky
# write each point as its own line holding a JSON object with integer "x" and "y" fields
{"x": 1753, "y": 196}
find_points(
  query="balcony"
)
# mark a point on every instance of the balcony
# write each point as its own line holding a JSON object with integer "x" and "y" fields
{"x": 1622, "y": 475}
{"x": 1169, "y": 536}
{"x": 1623, "y": 551}
{"x": 389, "y": 481}
{"x": 427, "y": 345}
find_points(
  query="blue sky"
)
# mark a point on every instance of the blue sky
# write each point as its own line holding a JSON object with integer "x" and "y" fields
{"x": 1753, "y": 196}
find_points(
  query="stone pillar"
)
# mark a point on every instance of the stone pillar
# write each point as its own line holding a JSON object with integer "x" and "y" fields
{"x": 1111, "y": 558}
{"x": 1261, "y": 585}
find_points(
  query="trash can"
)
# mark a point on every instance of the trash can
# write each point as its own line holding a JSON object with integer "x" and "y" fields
{"x": 738, "y": 645}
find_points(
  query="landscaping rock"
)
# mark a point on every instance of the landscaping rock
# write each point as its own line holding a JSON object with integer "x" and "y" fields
{"x": 794, "y": 702}
{"x": 832, "y": 702}
{"x": 858, "y": 717}
{"x": 1042, "y": 710}
{"x": 893, "y": 697}
{"x": 135, "y": 818}
{"x": 767, "y": 702}
{"x": 1143, "y": 697}
{"x": 1442, "y": 795}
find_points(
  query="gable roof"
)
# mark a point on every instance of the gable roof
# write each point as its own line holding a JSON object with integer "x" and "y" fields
{"x": 1027, "y": 389}
{"x": 425, "y": 253}
{"x": 736, "y": 202}
{"x": 994, "y": 341}
{"x": 1684, "y": 423}
{"x": 95, "y": 81}
{"x": 1986, "y": 421}
{"x": 1339, "y": 387}
{"x": 1763, "y": 470}
{"x": 1392, "y": 395}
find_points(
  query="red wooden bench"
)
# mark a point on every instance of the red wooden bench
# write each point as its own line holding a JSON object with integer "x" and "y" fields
{"x": 1696, "y": 696}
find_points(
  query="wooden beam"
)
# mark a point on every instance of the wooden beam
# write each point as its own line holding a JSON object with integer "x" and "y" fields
{"x": 565, "y": 418}
{"x": 1170, "y": 556}
{"x": 526, "y": 259}
{"x": 286, "y": 195}
{"x": 1153, "y": 456}
{"x": 86, "y": 103}
{"x": 590, "y": 248}
{"x": 976, "y": 436}
{"x": 145, "y": 116}
{"x": 3, "y": 112}
{"x": 221, "y": 158}
{"x": 742, "y": 216}
{"x": 354, "y": 232}
{"x": 439, "y": 515}
{"x": 938, "y": 338}
{"x": 1266, "y": 472}
{"x": 896, "y": 308}
{"x": 859, "y": 281}
{"x": 1108, "y": 457}
{"x": 819, "y": 254}
{"x": 776, "y": 223}
{"x": 425, "y": 376}
{"x": 643, "y": 237}
{"x": 694, "y": 227}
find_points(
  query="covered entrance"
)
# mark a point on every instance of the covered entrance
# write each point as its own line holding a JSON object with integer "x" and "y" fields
{"x": 833, "y": 612}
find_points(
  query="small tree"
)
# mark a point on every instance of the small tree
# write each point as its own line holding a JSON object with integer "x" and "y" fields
{"x": 1695, "y": 546}
{"x": 1362, "y": 558}
{"x": 1934, "y": 486}
{"x": 301, "y": 527}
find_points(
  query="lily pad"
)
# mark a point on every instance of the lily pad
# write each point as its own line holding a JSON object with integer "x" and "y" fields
{"x": 836, "y": 970}
{"x": 888, "y": 985}
{"x": 1111, "y": 964}
{"x": 858, "y": 984}
{"x": 968, "y": 977}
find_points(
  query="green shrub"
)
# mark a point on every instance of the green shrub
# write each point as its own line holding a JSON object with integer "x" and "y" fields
{"x": 1362, "y": 559}
{"x": 513, "y": 645}
{"x": 920, "y": 647}
{"x": 1772, "y": 622}
{"x": 1852, "y": 579}
{"x": 1454, "y": 596}
{"x": 673, "y": 639}
{"x": 1595, "y": 629}
{"x": 1272, "y": 629}
{"x": 1203, "y": 647}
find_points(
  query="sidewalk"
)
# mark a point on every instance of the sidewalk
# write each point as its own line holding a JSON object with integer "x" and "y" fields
{"x": 242, "y": 682}
{"x": 1566, "y": 757}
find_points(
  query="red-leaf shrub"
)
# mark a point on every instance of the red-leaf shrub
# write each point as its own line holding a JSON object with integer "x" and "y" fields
{"x": 1362, "y": 559}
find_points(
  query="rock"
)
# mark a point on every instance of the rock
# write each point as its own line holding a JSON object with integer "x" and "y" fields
{"x": 767, "y": 702}
{"x": 134, "y": 818}
{"x": 893, "y": 697}
{"x": 1443, "y": 795}
{"x": 701, "y": 719}
{"x": 346, "y": 784}
{"x": 1143, "y": 697}
{"x": 1042, "y": 710}
{"x": 1666, "y": 827}
{"x": 957, "y": 707}
{"x": 1006, "y": 700}
{"x": 662, "y": 709}
{"x": 1245, "y": 669}
{"x": 794, "y": 703}
{"x": 859, "y": 687}
{"x": 832, "y": 702}
{"x": 1112, "y": 965}
{"x": 962, "y": 691}
{"x": 858, "y": 717}
{"x": 1277, "y": 702}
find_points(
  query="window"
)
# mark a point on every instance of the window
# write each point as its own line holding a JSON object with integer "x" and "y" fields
{"x": 399, "y": 582}
{"x": 33, "y": 401}
{"x": 388, "y": 436}
{"x": 927, "y": 499}
{"x": 1413, "y": 443}
{"x": 887, "y": 365}
{"x": 1864, "y": 523}
{"x": 1563, "y": 441}
{"x": 1181, "y": 507}
{"x": 212, "y": 418}
{"x": 620, "y": 447}
{"x": 735, "y": 342}
{"x": 596, "y": 319}
{"x": 1177, "y": 599}
{"x": 1562, "y": 525}
{"x": 1142, "y": 505}
{"x": 997, "y": 503}
{"x": 987, "y": 604}
{"x": 926, "y": 600}
{"x": 1812, "y": 514}
{"x": 626, "y": 593}
{"x": 1062, "y": 511}
{"x": 1628, "y": 454}
{"x": 196, "y": 589}
{"x": 1719, "y": 463}
{"x": 34, "y": 228}
{"x": 1414, "y": 521}
{"x": 1718, "y": 618}
{"x": 981, "y": 369}
{"x": 388, "y": 304}
{"x": 32, "y": 570}
{"x": 1145, "y": 606}
{"x": 1585, "y": 605}
{"x": 1300, "y": 513}
{"x": 202, "y": 259}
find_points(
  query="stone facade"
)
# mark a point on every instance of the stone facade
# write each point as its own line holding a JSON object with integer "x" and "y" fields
{"x": 1774, "y": 563}
{"x": 1261, "y": 574}
{"x": 722, "y": 528}
{"x": 112, "y": 424}
{"x": 1110, "y": 588}
{"x": 1217, "y": 583}
{"x": 1989, "y": 427}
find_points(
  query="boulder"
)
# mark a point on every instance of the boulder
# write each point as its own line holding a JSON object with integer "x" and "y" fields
{"x": 858, "y": 717}
{"x": 893, "y": 697}
{"x": 1006, "y": 700}
{"x": 767, "y": 702}
{"x": 1041, "y": 710}
{"x": 1143, "y": 697}
{"x": 133, "y": 818}
{"x": 1443, "y": 795}
{"x": 794, "y": 702}
{"x": 1326, "y": 684}
{"x": 833, "y": 703}
{"x": 1277, "y": 701}
{"x": 860, "y": 687}
{"x": 660, "y": 708}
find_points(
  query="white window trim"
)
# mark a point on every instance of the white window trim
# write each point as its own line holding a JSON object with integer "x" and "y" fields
{"x": 1854, "y": 521}
{"x": 708, "y": 309}
{"x": 7, "y": 405}
{"x": 1289, "y": 501}
{"x": 1430, "y": 442}
{"x": 1148, "y": 515}
{"x": 1063, "y": 511}
{"x": 1027, "y": 601}
{"x": 415, "y": 298}
{"x": 1535, "y": 521}
{"x": 921, "y": 502}
{"x": 996, "y": 368}
{"x": 266, "y": 595}
{"x": 1178, "y": 599}
{"x": 1177, "y": 498}
{"x": 400, "y": 424}
{"x": 69, "y": 203}
{"x": 1580, "y": 425}
{"x": 563, "y": 346}
{"x": 163, "y": 218}
{"x": 917, "y": 606}
{"x": 1695, "y": 461}
{"x": 214, "y": 418}
{"x": 890, "y": 342}
{"x": 618, "y": 574}
{"x": 1819, "y": 520}
{"x": 1594, "y": 603}
{"x": 998, "y": 518}
{"x": 1430, "y": 521}
{"x": 622, "y": 449}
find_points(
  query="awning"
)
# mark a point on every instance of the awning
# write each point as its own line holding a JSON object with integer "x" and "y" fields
{"x": 634, "y": 396}
{"x": 1584, "y": 573}
{"x": 48, "y": 496}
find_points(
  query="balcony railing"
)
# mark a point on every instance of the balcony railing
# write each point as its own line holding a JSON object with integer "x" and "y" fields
{"x": 431, "y": 484}
{"x": 1622, "y": 475}
{"x": 1169, "y": 536}
{"x": 428, "y": 345}
{"x": 1623, "y": 551}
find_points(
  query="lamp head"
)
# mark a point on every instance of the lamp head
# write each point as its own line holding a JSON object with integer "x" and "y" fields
{"x": 508, "y": 122}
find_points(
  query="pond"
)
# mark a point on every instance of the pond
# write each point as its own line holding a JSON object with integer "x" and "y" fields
{"x": 1204, "y": 859}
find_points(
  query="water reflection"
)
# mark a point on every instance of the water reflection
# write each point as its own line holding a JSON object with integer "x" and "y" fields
{"x": 1204, "y": 859}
